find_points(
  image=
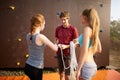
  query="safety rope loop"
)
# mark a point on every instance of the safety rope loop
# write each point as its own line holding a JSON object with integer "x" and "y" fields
{"x": 63, "y": 59}
{"x": 73, "y": 61}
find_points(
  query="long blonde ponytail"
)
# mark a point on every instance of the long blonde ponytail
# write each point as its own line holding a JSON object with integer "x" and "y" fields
{"x": 95, "y": 25}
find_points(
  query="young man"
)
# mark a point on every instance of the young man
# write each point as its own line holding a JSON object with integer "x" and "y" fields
{"x": 64, "y": 34}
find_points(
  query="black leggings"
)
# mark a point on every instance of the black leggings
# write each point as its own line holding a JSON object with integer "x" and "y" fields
{"x": 33, "y": 73}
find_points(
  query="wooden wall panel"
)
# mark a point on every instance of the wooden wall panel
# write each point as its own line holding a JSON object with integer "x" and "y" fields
{"x": 15, "y": 18}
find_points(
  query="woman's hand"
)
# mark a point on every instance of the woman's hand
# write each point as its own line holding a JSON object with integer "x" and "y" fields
{"x": 63, "y": 46}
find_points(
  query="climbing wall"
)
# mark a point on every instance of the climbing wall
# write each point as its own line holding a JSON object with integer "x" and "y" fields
{"x": 15, "y": 18}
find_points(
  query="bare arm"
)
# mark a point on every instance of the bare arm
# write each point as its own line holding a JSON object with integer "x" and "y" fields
{"x": 68, "y": 46}
{"x": 99, "y": 47}
{"x": 83, "y": 50}
{"x": 45, "y": 40}
{"x": 63, "y": 46}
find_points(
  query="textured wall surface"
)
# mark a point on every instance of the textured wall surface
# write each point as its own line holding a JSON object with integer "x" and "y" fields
{"x": 15, "y": 18}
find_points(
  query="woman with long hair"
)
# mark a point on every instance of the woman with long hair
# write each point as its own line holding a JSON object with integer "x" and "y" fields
{"x": 89, "y": 44}
{"x": 36, "y": 42}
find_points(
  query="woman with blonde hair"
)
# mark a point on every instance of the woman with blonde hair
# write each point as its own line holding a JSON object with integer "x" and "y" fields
{"x": 89, "y": 44}
{"x": 36, "y": 43}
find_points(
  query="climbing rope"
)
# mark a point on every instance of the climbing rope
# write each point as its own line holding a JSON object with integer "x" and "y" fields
{"x": 73, "y": 61}
{"x": 63, "y": 59}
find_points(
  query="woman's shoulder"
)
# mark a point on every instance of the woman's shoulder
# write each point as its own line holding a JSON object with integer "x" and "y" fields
{"x": 41, "y": 36}
{"x": 87, "y": 30}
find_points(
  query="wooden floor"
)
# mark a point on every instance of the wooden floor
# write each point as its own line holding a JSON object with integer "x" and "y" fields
{"x": 101, "y": 75}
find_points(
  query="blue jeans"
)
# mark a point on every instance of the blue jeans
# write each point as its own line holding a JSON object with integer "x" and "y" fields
{"x": 89, "y": 69}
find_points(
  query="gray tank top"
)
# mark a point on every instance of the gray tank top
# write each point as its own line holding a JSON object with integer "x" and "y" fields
{"x": 36, "y": 58}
